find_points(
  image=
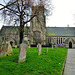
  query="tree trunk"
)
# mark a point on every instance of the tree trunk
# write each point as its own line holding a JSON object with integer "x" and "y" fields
{"x": 21, "y": 28}
{"x": 21, "y": 36}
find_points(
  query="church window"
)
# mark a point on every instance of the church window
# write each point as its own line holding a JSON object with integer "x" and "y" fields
{"x": 61, "y": 40}
{"x": 50, "y": 39}
{"x": 57, "y": 40}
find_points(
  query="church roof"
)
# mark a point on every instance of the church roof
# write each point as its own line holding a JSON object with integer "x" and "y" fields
{"x": 10, "y": 29}
{"x": 60, "y": 31}
{"x": 4, "y": 29}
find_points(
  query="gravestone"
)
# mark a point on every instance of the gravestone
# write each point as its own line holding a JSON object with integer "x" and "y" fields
{"x": 22, "y": 53}
{"x": 47, "y": 50}
{"x": 52, "y": 47}
{"x": 5, "y": 49}
{"x": 37, "y": 46}
{"x": 9, "y": 49}
{"x": 39, "y": 49}
{"x": 29, "y": 45}
{"x": 56, "y": 46}
{"x": 15, "y": 46}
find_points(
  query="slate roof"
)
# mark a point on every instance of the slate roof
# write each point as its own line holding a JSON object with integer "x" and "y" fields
{"x": 4, "y": 28}
{"x": 60, "y": 31}
{"x": 11, "y": 28}
{"x": 51, "y": 31}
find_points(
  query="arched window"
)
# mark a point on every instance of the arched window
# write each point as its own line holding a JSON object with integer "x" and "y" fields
{"x": 57, "y": 40}
{"x": 50, "y": 39}
{"x": 11, "y": 43}
{"x": 70, "y": 44}
{"x": 61, "y": 40}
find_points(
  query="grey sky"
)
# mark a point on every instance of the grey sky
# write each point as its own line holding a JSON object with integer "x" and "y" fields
{"x": 63, "y": 14}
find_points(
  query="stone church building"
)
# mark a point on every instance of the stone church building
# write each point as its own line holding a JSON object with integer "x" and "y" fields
{"x": 61, "y": 36}
{"x": 39, "y": 33}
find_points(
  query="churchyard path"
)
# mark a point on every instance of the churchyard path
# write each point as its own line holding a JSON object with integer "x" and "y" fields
{"x": 70, "y": 63}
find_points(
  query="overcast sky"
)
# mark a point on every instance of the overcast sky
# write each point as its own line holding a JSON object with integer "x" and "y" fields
{"x": 1, "y": 21}
{"x": 63, "y": 14}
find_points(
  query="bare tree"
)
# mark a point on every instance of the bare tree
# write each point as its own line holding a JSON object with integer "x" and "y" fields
{"x": 18, "y": 12}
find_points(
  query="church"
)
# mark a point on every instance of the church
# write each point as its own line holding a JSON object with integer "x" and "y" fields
{"x": 37, "y": 32}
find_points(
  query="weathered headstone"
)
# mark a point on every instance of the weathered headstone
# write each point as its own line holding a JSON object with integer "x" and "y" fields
{"x": 5, "y": 49}
{"x": 29, "y": 45}
{"x": 52, "y": 47}
{"x": 22, "y": 53}
{"x": 47, "y": 50}
{"x": 9, "y": 49}
{"x": 56, "y": 46}
{"x": 39, "y": 49}
{"x": 37, "y": 46}
{"x": 15, "y": 46}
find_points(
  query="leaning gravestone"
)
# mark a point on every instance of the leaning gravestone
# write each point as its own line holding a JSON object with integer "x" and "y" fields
{"x": 22, "y": 53}
{"x": 5, "y": 49}
{"x": 47, "y": 50}
{"x": 39, "y": 49}
{"x": 9, "y": 49}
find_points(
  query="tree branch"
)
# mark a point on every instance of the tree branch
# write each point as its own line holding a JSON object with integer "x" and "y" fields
{"x": 30, "y": 19}
{"x": 7, "y": 5}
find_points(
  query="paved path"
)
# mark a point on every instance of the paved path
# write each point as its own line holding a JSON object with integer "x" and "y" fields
{"x": 70, "y": 63}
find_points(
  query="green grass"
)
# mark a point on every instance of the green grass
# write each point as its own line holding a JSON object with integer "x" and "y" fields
{"x": 50, "y": 63}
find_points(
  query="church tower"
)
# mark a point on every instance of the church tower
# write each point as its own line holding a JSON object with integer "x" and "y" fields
{"x": 38, "y": 25}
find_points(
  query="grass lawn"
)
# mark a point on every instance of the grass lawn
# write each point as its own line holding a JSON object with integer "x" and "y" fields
{"x": 50, "y": 63}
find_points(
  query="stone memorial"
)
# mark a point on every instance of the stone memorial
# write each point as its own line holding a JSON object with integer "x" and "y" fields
{"x": 29, "y": 45}
{"x": 5, "y": 49}
{"x": 37, "y": 46}
{"x": 15, "y": 46}
{"x": 47, "y": 50}
{"x": 52, "y": 47}
{"x": 9, "y": 49}
{"x": 39, "y": 49}
{"x": 56, "y": 47}
{"x": 22, "y": 53}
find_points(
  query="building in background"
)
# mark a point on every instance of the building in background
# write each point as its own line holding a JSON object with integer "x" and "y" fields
{"x": 39, "y": 33}
{"x": 61, "y": 36}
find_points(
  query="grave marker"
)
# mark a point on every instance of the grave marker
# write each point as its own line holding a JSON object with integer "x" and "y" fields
{"x": 23, "y": 49}
{"x": 47, "y": 50}
{"x": 5, "y": 49}
{"x": 9, "y": 49}
{"x": 39, "y": 49}
{"x": 52, "y": 47}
